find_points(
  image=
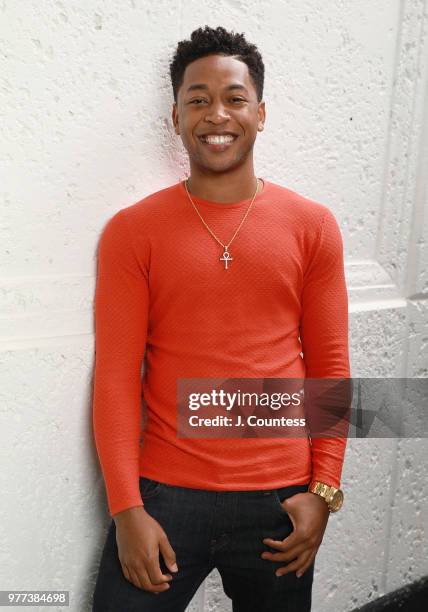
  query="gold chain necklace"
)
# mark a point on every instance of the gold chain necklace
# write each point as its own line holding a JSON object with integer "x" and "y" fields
{"x": 226, "y": 257}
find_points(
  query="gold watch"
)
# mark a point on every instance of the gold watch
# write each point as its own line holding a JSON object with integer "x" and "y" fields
{"x": 332, "y": 496}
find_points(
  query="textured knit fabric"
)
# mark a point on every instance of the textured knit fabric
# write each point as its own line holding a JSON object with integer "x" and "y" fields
{"x": 165, "y": 307}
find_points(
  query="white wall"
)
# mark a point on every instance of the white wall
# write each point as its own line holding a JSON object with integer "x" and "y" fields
{"x": 85, "y": 104}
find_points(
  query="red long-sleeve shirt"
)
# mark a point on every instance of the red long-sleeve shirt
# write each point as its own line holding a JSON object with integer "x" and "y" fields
{"x": 164, "y": 300}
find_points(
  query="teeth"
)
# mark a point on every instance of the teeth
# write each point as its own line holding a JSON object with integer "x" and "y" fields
{"x": 219, "y": 139}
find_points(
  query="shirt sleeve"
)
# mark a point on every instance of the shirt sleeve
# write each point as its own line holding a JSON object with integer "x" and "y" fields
{"x": 121, "y": 317}
{"x": 324, "y": 335}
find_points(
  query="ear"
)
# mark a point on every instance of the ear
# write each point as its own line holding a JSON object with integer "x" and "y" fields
{"x": 261, "y": 116}
{"x": 175, "y": 118}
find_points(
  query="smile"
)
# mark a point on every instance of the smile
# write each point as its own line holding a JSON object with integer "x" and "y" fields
{"x": 218, "y": 143}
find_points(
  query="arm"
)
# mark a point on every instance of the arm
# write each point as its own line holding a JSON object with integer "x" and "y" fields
{"x": 324, "y": 335}
{"x": 121, "y": 317}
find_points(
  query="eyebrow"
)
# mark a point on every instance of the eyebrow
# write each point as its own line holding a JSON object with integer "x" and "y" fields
{"x": 228, "y": 88}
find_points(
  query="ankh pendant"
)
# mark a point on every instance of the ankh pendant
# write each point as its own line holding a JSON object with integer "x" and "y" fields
{"x": 226, "y": 257}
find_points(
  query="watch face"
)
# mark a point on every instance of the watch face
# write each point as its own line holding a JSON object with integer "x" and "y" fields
{"x": 337, "y": 501}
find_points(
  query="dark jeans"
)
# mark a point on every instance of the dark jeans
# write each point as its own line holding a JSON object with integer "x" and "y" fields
{"x": 207, "y": 530}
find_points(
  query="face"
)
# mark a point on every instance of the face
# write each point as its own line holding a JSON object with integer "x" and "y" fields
{"x": 218, "y": 96}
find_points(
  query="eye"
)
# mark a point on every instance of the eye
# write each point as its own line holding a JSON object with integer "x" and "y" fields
{"x": 197, "y": 100}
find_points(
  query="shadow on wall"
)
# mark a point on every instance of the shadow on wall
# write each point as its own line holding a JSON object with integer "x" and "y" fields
{"x": 410, "y": 598}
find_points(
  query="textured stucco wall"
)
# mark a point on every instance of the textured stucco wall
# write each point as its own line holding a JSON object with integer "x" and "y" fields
{"x": 85, "y": 106}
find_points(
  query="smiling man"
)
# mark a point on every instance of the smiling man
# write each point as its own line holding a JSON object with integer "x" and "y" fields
{"x": 223, "y": 275}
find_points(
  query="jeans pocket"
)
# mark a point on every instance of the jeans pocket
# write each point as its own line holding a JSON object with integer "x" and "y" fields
{"x": 149, "y": 488}
{"x": 281, "y": 494}
{"x": 278, "y": 498}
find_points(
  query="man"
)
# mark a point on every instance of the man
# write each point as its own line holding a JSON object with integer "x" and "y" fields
{"x": 220, "y": 276}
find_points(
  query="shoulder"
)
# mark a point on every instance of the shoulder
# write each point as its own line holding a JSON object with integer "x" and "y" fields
{"x": 312, "y": 221}
{"x": 153, "y": 206}
{"x": 144, "y": 216}
{"x": 304, "y": 209}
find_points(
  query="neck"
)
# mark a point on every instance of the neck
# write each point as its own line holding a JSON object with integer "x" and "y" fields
{"x": 223, "y": 188}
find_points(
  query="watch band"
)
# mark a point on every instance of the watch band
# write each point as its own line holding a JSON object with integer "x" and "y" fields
{"x": 332, "y": 496}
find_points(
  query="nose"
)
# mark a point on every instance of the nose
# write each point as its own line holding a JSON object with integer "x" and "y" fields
{"x": 217, "y": 114}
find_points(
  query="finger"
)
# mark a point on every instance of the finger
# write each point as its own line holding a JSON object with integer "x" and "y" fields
{"x": 284, "y": 556}
{"x": 168, "y": 554}
{"x": 154, "y": 588}
{"x": 292, "y": 519}
{"x": 126, "y": 572}
{"x": 135, "y": 578}
{"x": 294, "y": 539}
{"x": 291, "y": 567}
{"x": 307, "y": 565}
{"x": 295, "y": 565}
{"x": 154, "y": 571}
{"x": 149, "y": 586}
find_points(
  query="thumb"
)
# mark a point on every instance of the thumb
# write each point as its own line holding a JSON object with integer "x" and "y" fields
{"x": 168, "y": 554}
{"x": 289, "y": 511}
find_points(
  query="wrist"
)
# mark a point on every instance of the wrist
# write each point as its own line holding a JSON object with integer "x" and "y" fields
{"x": 128, "y": 513}
{"x": 331, "y": 495}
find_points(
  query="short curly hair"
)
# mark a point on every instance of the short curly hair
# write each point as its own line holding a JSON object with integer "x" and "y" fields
{"x": 218, "y": 41}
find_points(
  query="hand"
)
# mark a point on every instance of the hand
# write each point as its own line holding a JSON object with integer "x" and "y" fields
{"x": 309, "y": 514}
{"x": 139, "y": 539}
